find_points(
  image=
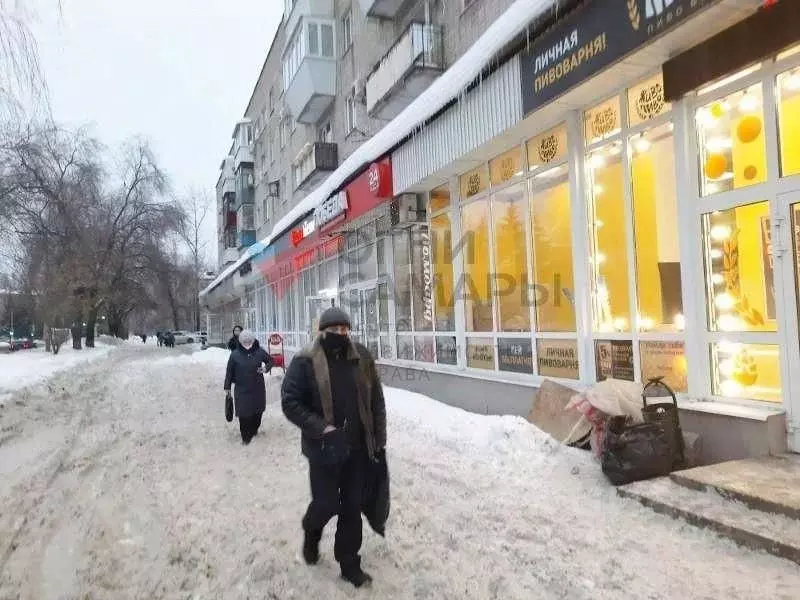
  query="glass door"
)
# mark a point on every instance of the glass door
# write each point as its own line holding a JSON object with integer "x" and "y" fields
{"x": 316, "y": 305}
{"x": 786, "y": 254}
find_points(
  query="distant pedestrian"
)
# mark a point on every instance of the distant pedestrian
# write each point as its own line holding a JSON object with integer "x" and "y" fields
{"x": 144, "y": 338}
{"x": 247, "y": 365}
{"x": 233, "y": 343}
{"x": 332, "y": 392}
{"x": 160, "y": 338}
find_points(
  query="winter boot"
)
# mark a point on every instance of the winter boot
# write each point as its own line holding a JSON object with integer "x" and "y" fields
{"x": 352, "y": 573}
{"x": 311, "y": 547}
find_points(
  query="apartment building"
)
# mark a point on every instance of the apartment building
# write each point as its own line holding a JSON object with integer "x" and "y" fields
{"x": 535, "y": 189}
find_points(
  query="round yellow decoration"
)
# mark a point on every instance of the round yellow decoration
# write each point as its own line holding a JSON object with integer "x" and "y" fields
{"x": 749, "y": 129}
{"x": 715, "y": 166}
{"x": 750, "y": 172}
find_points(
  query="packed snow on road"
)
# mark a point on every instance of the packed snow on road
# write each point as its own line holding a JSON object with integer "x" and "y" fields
{"x": 119, "y": 478}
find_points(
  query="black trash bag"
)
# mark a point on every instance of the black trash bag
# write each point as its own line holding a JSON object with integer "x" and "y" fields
{"x": 229, "y": 408}
{"x": 635, "y": 452}
{"x": 375, "y": 502}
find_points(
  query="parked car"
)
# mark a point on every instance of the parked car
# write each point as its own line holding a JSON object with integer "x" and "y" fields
{"x": 186, "y": 337}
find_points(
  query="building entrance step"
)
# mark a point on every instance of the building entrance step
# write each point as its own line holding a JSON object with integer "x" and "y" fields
{"x": 774, "y": 533}
{"x": 769, "y": 484}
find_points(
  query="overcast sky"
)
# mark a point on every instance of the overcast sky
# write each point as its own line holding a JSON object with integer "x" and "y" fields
{"x": 178, "y": 72}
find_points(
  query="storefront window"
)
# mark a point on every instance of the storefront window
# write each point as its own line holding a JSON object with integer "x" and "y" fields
{"x": 646, "y": 100}
{"x": 547, "y": 149}
{"x": 383, "y": 307}
{"x": 609, "y": 256}
{"x": 405, "y": 347}
{"x": 402, "y": 280}
{"x": 477, "y": 268}
{"x": 655, "y": 222}
{"x": 789, "y": 113}
{"x": 749, "y": 371}
{"x": 552, "y": 254}
{"x": 424, "y": 349}
{"x": 474, "y": 182}
{"x": 509, "y": 212}
{"x": 740, "y": 275}
{"x": 422, "y": 278}
{"x": 664, "y": 359}
{"x": 386, "y": 347}
{"x": 480, "y": 353}
{"x": 603, "y": 121}
{"x": 446, "y": 350}
{"x": 506, "y": 167}
{"x": 439, "y": 199}
{"x": 443, "y": 298}
{"x": 733, "y": 148}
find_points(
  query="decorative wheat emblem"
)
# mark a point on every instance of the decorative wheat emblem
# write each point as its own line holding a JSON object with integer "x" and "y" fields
{"x": 633, "y": 13}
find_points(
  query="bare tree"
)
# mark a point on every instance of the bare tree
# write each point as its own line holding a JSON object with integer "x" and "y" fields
{"x": 196, "y": 206}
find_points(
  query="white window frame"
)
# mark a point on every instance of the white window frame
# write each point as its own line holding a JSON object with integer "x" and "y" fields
{"x": 350, "y": 113}
{"x": 347, "y": 30}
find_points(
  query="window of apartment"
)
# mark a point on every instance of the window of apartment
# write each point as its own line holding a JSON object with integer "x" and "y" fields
{"x": 350, "y": 106}
{"x": 284, "y": 190}
{"x": 347, "y": 30}
{"x": 286, "y": 129}
{"x": 314, "y": 38}
{"x": 325, "y": 133}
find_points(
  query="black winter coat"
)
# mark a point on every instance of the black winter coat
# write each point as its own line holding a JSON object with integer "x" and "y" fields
{"x": 305, "y": 406}
{"x": 249, "y": 392}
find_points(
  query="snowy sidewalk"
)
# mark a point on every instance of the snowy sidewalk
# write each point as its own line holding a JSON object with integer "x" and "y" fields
{"x": 151, "y": 495}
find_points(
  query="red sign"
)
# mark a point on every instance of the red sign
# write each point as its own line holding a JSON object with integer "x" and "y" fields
{"x": 275, "y": 339}
{"x": 379, "y": 177}
{"x": 297, "y": 236}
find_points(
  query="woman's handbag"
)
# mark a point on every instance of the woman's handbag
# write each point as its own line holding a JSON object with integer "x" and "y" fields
{"x": 666, "y": 415}
{"x": 635, "y": 452}
{"x": 228, "y": 408}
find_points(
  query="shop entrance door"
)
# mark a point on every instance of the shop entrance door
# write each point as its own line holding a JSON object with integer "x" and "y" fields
{"x": 361, "y": 303}
{"x": 315, "y": 306}
{"x": 786, "y": 257}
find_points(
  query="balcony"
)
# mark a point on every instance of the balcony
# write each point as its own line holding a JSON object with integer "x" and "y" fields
{"x": 302, "y": 8}
{"x": 382, "y": 9}
{"x": 230, "y": 219}
{"x": 408, "y": 68}
{"x": 312, "y": 89}
{"x": 313, "y": 163}
{"x": 247, "y": 237}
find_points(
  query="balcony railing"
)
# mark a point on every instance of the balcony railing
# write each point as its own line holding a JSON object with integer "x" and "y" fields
{"x": 408, "y": 68}
{"x": 314, "y": 162}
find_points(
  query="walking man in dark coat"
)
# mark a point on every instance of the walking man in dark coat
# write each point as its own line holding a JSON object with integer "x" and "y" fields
{"x": 233, "y": 343}
{"x": 332, "y": 392}
{"x": 247, "y": 365}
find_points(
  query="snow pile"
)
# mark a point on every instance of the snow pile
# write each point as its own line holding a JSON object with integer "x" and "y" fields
{"x": 210, "y": 356}
{"x": 27, "y": 367}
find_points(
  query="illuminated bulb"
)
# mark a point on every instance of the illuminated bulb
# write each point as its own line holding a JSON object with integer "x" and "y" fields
{"x": 598, "y": 224}
{"x": 748, "y": 103}
{"x": 620, "y": 324}
{"x": 726, "y": 367}
{"x": 598, "y": 161}
{"x": 642, "y": 144}
{"x": 598, "y": 190}
{"x": 731, "y": 388}
{"x": 600, "y": 258}
{"x": 730, "y": 323}
{"x": 680, "y": 322}
{"x": 646, "y": 323}
{"x": 724, "y": 302}
{"x": 720, "y": 233}
{"x": 715, "y": 253}
{"x": 792, "y": 82}
{"x": 717, "y": 279}
{"x": 706, "y": 119}
{"x": 602, "y": 293}
{"x": 615, "y": 150}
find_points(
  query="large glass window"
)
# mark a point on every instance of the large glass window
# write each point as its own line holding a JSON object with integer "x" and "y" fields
{"x": 789, "y": 114}
{"x": 609, "y": 254}
{"x": 443, "y": 272}
{"x": 655, "y": 222}
{"x": 477, "y": 268}
{"x": 740, "y": 276}
{"x": 733, "y": 147}
{"x": 402, "y": 280}
{"x": 750, "y": 371}
{"x": 509, "y": 212}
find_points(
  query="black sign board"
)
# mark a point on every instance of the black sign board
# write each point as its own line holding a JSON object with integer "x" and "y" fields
{"x": 614, "y": 360}
{"x": 446, "y": 351}
{"x": 591, "y": 39}
{"x": 515, "y": 355}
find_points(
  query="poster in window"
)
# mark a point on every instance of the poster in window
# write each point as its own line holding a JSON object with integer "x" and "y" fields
{"x": 480, "y": 354}
{"x": 446, "y": 350}
{"x": 769, "y": 272}
{"x": 515, "y": 355}
{"x": 614, "y": 360}
{"x": 557, "y": 358}
{"x": 667, "y": 360}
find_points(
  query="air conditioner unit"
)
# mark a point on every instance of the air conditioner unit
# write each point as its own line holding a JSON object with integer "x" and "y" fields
{"x": 407, "y": 210}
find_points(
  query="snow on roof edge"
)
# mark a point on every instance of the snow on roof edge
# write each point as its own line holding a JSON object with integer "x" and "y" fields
{"x": 460, "y": 74}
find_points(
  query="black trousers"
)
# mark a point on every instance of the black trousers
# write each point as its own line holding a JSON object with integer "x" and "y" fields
{"x": 337, "y": 490}
{"x": 248, "y": 426}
